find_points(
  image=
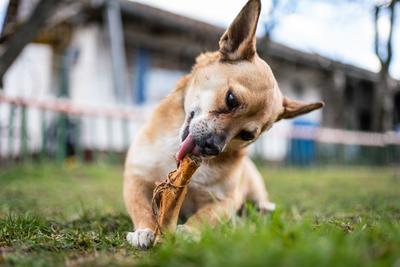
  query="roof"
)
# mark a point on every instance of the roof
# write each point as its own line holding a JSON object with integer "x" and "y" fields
{"x": 158, "y": 16}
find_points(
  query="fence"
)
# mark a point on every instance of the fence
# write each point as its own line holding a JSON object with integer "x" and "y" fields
{"x": 310, "y": 146}
{"x": 58, "y": 129}
{"x": 54, "y": 129}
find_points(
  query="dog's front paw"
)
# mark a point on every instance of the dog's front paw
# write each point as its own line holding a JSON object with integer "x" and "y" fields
{"x": 141, "y": 238}
{"x": 267, "y": 207}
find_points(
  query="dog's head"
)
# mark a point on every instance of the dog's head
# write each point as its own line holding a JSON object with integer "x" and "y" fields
{"x": 232, "y": 95}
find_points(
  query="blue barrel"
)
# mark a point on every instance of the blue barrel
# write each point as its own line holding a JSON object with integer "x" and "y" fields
{"x": 302, "y": 152}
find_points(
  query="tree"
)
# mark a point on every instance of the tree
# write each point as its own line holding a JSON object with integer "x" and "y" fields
{"x": 277, "y": 10}
{"x": 384, "y": 106}
{"x": 25, "y": 33}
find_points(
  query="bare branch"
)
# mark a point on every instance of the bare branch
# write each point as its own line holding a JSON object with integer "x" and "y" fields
{"x": 25, "y": 33}
{"x": 390, "y": 38}
{"x": 377, "y": 12}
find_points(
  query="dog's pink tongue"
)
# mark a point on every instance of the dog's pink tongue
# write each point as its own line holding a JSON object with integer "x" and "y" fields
{"x": 187, "y": 147}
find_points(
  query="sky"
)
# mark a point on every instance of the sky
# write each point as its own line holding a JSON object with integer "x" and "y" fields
{"x": 340, "y": 30}
{"x": 3, "y": 5}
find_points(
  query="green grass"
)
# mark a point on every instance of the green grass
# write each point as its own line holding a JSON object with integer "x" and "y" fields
{"x": 74, "y": 215}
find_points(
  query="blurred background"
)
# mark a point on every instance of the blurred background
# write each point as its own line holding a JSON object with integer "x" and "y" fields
{"x": 78, "y": 78}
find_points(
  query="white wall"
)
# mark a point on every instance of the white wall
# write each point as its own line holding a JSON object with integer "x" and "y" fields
{"x": 29, "y": 76}
{"x": 91, "y": 75}
{"x": 160, "y": 82}
{"x": 91, "y": 85}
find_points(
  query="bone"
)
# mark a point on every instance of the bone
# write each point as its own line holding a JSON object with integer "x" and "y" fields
{"x": 169, "y": 194}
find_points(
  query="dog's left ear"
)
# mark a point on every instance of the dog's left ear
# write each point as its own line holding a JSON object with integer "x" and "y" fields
{"x": 239, "y": 42}
{"x": 293, "y": 108}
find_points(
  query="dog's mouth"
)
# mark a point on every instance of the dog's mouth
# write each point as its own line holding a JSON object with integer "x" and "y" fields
{"x": 206, "y": 147}
{"x": 188, "y": 146}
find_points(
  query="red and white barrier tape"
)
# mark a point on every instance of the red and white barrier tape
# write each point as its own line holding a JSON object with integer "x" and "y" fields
{"x": 345, "y": 137}
{"x": 67, "y": 107}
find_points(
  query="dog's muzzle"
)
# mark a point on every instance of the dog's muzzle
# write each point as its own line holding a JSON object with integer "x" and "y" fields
{"x": 210, "y": 144}
{"x": 201, "y": 145}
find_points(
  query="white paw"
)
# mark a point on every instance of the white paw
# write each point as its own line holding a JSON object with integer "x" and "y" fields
{"x": 267, "y": 207}
{"x": 141, "y": 238}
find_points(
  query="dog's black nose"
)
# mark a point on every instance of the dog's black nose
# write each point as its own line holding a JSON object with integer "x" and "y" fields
{"x": 212, "y": 145}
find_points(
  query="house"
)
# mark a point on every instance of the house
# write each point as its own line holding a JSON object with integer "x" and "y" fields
{"x": 121, "y": 53}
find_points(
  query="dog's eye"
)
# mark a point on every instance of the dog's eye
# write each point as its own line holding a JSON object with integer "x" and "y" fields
{"x": 231, "y": 100}
{"x": 246, "y": 135}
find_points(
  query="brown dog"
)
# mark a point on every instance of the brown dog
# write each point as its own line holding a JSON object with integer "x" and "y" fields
{"x": 224, "y": 104}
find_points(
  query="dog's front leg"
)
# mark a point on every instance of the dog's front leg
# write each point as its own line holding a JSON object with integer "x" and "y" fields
{"x": 209, "y": 214}
{"x": 137, "y": 196}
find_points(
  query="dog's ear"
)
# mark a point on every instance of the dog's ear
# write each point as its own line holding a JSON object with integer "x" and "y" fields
{"x": 239, "y": 42}
{"x": 293, "y": 108}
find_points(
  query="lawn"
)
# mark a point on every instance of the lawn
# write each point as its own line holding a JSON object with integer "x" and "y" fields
{"x": 74, "y": 215}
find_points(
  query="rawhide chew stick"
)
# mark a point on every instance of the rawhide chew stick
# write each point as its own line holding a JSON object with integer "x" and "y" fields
{"x": 169, "y": 194}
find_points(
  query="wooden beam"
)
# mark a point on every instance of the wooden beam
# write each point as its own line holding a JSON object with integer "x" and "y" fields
{"x": 154, "y": 17}
{"x": 181, "y": 46}
{"x": 117, "y": 46}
